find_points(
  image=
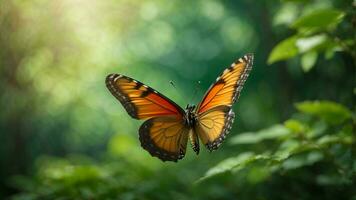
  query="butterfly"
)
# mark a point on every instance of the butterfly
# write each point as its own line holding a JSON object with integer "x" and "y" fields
{"x": 168, "y": 127}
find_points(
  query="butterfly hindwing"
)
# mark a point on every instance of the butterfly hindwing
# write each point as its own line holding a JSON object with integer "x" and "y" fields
{"x": 139, "y": 100}
{"x": 213, "y": 125}
{"x": 164, "y": 137}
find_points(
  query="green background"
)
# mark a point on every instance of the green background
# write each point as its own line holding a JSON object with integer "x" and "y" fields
{"x": 63, "y": 136}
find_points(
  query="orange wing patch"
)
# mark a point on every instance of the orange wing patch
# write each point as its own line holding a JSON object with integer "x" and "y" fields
{"x": 164, "y": 137}
{"x": 139, "y": 100}
{"x": 213, "y": 126}
{"x": 227, "y": 88}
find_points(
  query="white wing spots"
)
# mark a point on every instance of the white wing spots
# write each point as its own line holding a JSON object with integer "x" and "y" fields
{"x": 155, "y": 91}
{"x": 145, "y": 86}
{"x": 115, "y": 78}
{"x": 240, "y": 60}
{"x": 134, "y": 81}
{"x": 249, "y": 60}
{"x": 226, "y": 71}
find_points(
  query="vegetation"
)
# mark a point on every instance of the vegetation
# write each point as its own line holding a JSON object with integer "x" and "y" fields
{"x": 65, "y": 137}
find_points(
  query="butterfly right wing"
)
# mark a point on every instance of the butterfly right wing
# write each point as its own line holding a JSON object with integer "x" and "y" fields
{"x": 164, "y": 137}
{"x": 213, "y": 125}
{"x": 227, "y": 87}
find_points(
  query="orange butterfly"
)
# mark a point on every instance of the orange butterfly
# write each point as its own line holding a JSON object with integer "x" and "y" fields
{"x": 165, "y": 134}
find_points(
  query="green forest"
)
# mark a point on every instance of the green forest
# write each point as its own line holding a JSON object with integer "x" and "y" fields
{"x": 64, "y": 136}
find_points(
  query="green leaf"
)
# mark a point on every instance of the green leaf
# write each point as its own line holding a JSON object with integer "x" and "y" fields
{"x": 321, "y": 19}
{"x": 245, "y": 138}
{"x": 306, "y": 44}
{"x": 309, "y": 60}
{"x": 331, "y": 112}
{"x": 233, "y": 164}
{"x": 276, "y": 131}
{"x": 317, "y": 129}
{"x": 283, "y": 50}
{"x": 295, "y": 126}
{"x": 302, "y": 160}
{"x": 318, "y": 43}
{"x": 335, "y": 139}
{"x": 290, "y": 148}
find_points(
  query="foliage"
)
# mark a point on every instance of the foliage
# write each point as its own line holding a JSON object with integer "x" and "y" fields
{"x": 315, "y": 34}
{"x": 308, "y": 140}
{"x": 312, "y": 137}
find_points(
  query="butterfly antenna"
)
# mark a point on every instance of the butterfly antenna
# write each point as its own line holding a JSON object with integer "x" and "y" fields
{"x": 172, "y": 83}
{"x": 197, "y": 87}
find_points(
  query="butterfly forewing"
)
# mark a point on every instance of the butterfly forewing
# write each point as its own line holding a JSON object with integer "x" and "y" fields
{"x": 139, "y": 100}
{"x": 164, "y": 137}
{"x": 227, "y": 88}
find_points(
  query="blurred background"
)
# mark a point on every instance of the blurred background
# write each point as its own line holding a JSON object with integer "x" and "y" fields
{"x": 63, "y": 136}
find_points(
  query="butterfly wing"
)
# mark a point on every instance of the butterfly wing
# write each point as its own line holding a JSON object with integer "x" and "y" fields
{"x": 227, "y": 88}
{"x": 164, "y": 137}
{"x": 213, "y": 125}
{"x": 164, "y": 134}
{"x": 215, "y": 116}
{"x": 139, "y": 100}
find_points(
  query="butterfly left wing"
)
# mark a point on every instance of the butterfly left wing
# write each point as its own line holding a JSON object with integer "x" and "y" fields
{"x": 164, "y": 134}
{"x": 164, "y": 137}
{"x": 215, "y": 116}
{"x": 139, "y": 100}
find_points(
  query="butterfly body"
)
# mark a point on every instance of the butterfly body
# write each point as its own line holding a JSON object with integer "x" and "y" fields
{"x": 190, "y": 120}
{"x": 190, "y": 116}
{"x": 168, "y": 127}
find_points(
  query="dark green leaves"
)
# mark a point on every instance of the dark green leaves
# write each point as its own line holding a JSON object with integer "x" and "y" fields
{"x": 331, "y": 112}
{"x": 301, "y": 141}
{"x": 313, "y": 36}
{"x": 274, "y": 132}
{"x": 233, "y": 164}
